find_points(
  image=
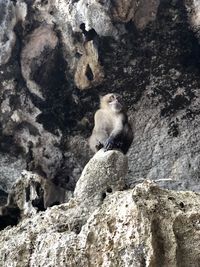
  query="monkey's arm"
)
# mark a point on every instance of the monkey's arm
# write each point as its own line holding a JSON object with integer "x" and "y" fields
{"x": 113, "y": 141}
{"x": 100, "y": 132}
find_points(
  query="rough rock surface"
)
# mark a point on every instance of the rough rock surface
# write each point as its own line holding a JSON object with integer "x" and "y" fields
{"x": 43, "y": 40}
{"x": 89, "y": 71}
{"x": 146, "y": 226}
{"x": 45, "y": 119}
{"x": 148, "y": 51}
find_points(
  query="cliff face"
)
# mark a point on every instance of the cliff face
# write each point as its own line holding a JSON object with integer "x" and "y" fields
{"x": 51, "y": 76}
{"x": 104, "y": 225}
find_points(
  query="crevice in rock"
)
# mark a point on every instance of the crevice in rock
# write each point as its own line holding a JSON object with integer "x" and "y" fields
{"x": 157, "y": 243}
{"x": 89, "y": 73}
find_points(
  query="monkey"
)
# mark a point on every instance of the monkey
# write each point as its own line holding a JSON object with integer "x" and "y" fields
{"x": 111, "y": 127}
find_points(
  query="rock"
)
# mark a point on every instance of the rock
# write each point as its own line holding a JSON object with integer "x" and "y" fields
{"x": 103, "y": 175}
{"x": 38, "y": 46}
{"x": 193, "y": 9}
{"x": 89, "y": 71}
{"x": 165, "y": 148}
{"x": 145, "y": 226}
{"x": 140, "y": 12}
{"x": 30, "y": 194}
{"x": 10, "y": 169}
{"x": 33, "y": 193}
{"x": 10, "y": 15}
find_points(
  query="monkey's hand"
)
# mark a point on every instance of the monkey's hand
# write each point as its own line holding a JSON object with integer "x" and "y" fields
{"x": 109, "y": 143}
{"x": 99, "y": 146}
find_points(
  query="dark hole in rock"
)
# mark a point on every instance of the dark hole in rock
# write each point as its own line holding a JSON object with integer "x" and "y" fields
{"x": 89, "y": 73}
{"x": 39, "y": 201}
{"x": 45, "y": 2}
{"x": 39, "y": 189}
{"x": 27, "y": 190}
{"x": 54, "y": 203}
{"x": 39, "y": 204}
{"x": 3, "y": 197}
{"x": 10, "y": 216}
{"x": 109, "y": 190}
{"x": 77, "y": 229}
{"x": 103, "y": 195}
{"x": 130, "y": 27}
{"x": 181, "y": 205}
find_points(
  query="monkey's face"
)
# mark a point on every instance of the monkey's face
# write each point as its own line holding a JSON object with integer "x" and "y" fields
{"x": 115, "y": 103}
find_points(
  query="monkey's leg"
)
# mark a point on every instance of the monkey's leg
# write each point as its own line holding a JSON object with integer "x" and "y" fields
{"x": 99, "y": 145}
{"x": 113, "y": 143}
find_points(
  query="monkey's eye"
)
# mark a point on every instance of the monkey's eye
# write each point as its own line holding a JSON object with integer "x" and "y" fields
{"x": 112, "y": 97}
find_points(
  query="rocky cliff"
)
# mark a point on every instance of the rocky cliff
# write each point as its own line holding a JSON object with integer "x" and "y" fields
{"x": 106, "y": 225}
{"x": 51, "y": 76}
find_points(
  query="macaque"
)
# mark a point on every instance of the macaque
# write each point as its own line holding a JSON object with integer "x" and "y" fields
{"x": 112, "y": 129}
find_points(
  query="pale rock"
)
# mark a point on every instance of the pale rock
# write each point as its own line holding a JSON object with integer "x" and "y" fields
{"x": 141, "y": 12}
{"x": 42, "y": 39}
{"x": 103, "y": 174}
{"x": 193, "y": 9}
{"x": 89, "y": 63}
{"x": 146, "y": 226}
{"x": 9, "y": 15}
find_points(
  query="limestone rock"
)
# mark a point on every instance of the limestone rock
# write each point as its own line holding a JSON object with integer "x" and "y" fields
{"x": 89, "y": 71}
{"x": 30, "y": 194}
{"x": 103, "y": 174}
{"x": 11, "y": 168}
{"x": 40, "y": 44}
{"x": 193, "y": 9}
{"x": 146, "y": 226}
{"x": 10, "y": 15}
{"x": 140, "y": 12}
{"x": 159, "y": 147}
{"x": 33, "y": 193}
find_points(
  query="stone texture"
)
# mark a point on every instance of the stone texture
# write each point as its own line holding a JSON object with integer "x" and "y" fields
{"x": 35, "y": 53}
{"x": 89, "y": 71}
{"x": 105, "y": 171}
{"x": 155, "y": 69}
{"x": 146, "y": 226}
{"x": 11, "y": 168}
{"x": 166, "y": 149}
{"x": 193, "y": 9}
{"x": 10, "y": 16}
{"x": 140, "y": 12}
{"x": 152, "y": 57}
{"x": 32, "y": 193}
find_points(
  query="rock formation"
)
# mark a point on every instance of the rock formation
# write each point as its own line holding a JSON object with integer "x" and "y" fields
{"x": 51, "y": 77}
{"x": 146, "y": 226}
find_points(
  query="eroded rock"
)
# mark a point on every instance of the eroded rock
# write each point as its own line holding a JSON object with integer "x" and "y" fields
{"x": 145, "y": 226}
{"x": 10, "y": 15}
{"x": 30, "y": 194}
{"x": 89, "y": 71}
{"x": 140, "y": 12}
{"x": 103, "y": 174}
{"x": 193, "y": 9}
{"x": 36, "y": 52}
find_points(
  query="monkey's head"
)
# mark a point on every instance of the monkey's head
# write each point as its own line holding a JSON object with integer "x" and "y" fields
{"x": 112, "y": 101}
